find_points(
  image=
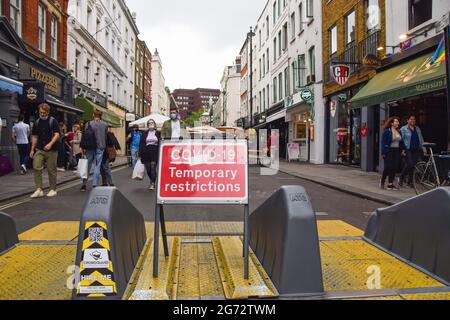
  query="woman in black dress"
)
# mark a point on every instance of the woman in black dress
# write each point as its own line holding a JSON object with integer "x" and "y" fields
{"x": 149, "y": 150}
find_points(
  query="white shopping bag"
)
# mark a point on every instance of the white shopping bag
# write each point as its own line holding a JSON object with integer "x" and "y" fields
{"x": 139, "y": 171}
{"x": 82, "y": 169}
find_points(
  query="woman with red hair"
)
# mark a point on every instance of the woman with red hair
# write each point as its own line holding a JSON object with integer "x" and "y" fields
{"x": 391, "y": 149}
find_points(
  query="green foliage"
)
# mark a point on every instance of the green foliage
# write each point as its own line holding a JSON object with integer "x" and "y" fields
{"x": 194, "y": 118}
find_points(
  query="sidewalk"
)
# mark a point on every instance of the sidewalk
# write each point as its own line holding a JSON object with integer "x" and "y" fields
{"x": 15, "y": 185}
{"x": 347, "y": 179}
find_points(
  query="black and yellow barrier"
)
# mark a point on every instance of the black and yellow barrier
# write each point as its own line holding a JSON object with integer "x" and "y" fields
{"x": 284, "y": 237}
{"x": 111, "y": 239}
{"x": 417, "y": 231}
{"x": 8, "y": 232}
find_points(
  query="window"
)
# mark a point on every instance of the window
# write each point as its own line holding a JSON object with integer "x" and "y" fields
{"x": 312, "y": 61}
{"x": 274, "y": 12}
{"x": 275, "y": 49}
{"x": 267, "y": 27}
{"x": 260, "y": 102}
{"x": 420, "y": 11}
{"x": 301, "y": 71}
{"x": 275, "y": 92}
{"x": 279, "y": 8}
{"x": 293, "y": 26}
{"x": 279, "y": 43}
{"x": 287, "y": 87}
{"x": 268, "y": 97}
{"x": 15, "y": 15}
{"x": 263, "y": 66}
{"x": 268, "y": 65}
{"x": 285, "y": 36}
{"x": 333, "y": 40}
{"x": 89, "y": 19}
{"x": 77, "y": 63}
{"x": 54, "y": 38}
{"x": 88, "y": 71}
{"x": 300, "y": 14}
{"x": 264, "y": 100}
{"x": 372, "y": 16}
{"x": 260, "y": 40}
{"x": 294, "y": 78}
{"x": 310, "y": 8}
{"x": 41, "y": 27}
{"x": 260, "y": 69}
{"x": 350, "y": 27}
{"x": 280, "y": 86}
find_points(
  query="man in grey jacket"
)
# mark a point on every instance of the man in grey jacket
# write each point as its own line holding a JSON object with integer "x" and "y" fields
{"x": 413, "y": 140}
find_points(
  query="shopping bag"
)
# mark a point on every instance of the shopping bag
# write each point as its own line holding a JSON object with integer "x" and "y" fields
{"x": 82, "y": 169}
{"x": 139, "y": 171}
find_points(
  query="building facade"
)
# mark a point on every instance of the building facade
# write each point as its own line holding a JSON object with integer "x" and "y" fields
{"x": 33, "y": 58}
{"x": 139, "y": 79}
{"x": 147, "y": 81}
{"x": 352, "y": 33}
{"x": 160, "y": 97}
{"x": 409, "y": 81}
{"x": 190, "y": 101}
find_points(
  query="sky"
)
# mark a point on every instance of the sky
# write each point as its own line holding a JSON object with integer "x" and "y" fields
{"x": 196, "y": 39}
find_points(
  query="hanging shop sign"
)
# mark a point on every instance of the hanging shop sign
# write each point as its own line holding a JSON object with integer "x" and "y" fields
{"x": 341, "y": 73}
{"x": 33, "y": 93}
{"x": 371, "y": 60}
{"x": 306, "y": 95}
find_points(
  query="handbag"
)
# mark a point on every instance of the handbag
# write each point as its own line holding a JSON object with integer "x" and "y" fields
{"x": 139, "y": 171}
{"x": 83, "y": 168}
{"x": 112, "y": 154}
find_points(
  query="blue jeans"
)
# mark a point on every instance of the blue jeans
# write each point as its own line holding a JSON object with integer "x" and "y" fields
{"x": 97, "y": 157}
{"x": 134, "y": 156}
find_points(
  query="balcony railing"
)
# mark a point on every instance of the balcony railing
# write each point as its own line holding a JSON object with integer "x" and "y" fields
{"x": 354, "y": 55}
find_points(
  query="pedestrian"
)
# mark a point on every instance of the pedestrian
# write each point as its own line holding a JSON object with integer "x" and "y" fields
{"x": 173, "y": 128}
{"x": 413, "y": 140}
{"x": 392, "y": 146}
{"x": 112, "y": 145}
{"x": 134, "y": 138}
{"x": 94, "y": 144}
{"x": 44, "y": 150}
{"x": 74, "y": 140}
{"x": 62, "y": 148}
{"x": 20, "y": 135}
{"x": 149, "y": 150}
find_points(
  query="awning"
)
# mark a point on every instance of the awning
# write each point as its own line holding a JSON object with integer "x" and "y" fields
{"x": 62, "y": 104}
{"x": 409, "y": 79}
{"x": 89, "y": 107}
{"x": 8, "y": 84}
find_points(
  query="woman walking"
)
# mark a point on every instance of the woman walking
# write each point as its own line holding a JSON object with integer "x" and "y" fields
{"x": 148, "y": 151}
{"x": 392, "y": 148}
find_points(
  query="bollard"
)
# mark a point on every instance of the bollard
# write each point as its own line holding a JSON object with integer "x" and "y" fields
{"x": 416, "y": 230}
{"x": 111, "y": 239}
{"x": 284, "y": 237}
{"x": 8, "y": 232}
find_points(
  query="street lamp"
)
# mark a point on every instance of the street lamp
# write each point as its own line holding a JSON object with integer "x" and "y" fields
{"x": 224, "y": 105}
{"x": 250, "y": 36}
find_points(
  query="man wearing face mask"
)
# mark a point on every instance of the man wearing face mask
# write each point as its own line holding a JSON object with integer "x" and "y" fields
{"x": 44, "y": 150}
{"x": 173, "y": 128}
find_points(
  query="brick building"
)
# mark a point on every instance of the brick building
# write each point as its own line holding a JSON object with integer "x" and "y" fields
{"x": 190, "y": 101}
{"x": 139, "y": 79}
{"x": 352, "y": 32}
{"x": 147, "y": 81}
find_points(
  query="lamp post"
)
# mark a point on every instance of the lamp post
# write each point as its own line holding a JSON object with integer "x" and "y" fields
{"x": 250, "y": 36}
{"x": 224, "y": 105}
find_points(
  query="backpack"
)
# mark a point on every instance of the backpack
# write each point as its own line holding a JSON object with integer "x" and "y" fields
{"x": 88, "y": 140}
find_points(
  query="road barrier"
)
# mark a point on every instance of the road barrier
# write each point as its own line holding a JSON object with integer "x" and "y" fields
{"x": 8, "y": 232}
{"x": 111, "y": 238}
{"x": 284, "y": 237}
{"x": 416, "y": 230}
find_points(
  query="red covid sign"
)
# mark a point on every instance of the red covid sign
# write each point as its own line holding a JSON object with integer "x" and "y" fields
{"x": 203, "y": 172}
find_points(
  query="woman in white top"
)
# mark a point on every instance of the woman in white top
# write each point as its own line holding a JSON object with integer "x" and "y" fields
{"x": 149, "y": 150}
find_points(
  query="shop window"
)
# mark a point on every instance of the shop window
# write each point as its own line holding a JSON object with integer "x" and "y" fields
{"x": 420, "y": 11}
{"x": 300, "y": 131}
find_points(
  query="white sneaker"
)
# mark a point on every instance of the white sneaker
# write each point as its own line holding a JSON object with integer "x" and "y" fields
{"x": 61, "y": 169}
{"x": 37, "y": 194}
{"x": 24, "y": 168}
{"x": 52, "y": 193}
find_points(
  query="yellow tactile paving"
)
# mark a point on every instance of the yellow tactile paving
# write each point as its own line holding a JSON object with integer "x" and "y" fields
{"x": 165, "y": 286}
{"x": 345, "y": 268}
{"x": 228, "y": 252}
{"x": 36, "y": 272}
{"x": 52, "y": 231}
{"x": 337, "y": 228}
{"x": 427, "y": 296}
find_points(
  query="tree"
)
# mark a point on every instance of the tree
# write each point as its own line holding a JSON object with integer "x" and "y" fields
{"x": 194, "y": 118}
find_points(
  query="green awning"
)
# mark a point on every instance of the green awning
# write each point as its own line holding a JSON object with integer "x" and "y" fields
{"x": 89, "y": 107}
{"x": 409, "y": 79}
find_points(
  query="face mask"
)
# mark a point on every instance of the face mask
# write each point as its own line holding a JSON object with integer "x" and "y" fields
{"x": 44, "y": 118}
{"x": 173, "y": 116}
{"x": 151, "y": 127}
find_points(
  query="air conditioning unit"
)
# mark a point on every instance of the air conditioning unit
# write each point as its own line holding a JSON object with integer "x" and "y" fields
{"x": 311, "y": 79}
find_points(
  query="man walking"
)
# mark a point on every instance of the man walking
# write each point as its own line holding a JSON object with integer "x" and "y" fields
{"x": 44, "y": 150}
{"x": 174, "y": 128}
{"x": 413, "y": 140}
{"x": 20, "y": 135}
{"x": 134, "y": 138}
{"x": 95, "y": 131}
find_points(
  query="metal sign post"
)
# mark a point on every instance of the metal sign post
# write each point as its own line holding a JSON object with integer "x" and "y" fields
{"x": 206, "y": 172}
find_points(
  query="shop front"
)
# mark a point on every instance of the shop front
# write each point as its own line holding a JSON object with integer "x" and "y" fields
{"x": 89, "y": 107}
{"x": 119, "y": 132}
{"x": 414, "y": 87}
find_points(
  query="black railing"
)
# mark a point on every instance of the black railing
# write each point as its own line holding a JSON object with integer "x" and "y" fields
{"x": 354, "y": 55}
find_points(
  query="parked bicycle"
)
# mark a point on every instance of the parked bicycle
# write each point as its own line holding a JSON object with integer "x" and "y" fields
{"x": 426, "y": 174}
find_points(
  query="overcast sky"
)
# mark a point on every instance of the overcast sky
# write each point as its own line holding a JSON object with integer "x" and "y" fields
{"x": 196, "y": 39}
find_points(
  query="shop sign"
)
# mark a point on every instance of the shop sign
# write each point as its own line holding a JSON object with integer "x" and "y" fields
{"x": 341, "y": 73}
{"x": 371, "y": 60}
{"x": 33, "y": 92}
{"x": 306, "y": 95}
{"x": 293, "y": 151}
{"x": 203, "y": 172}
{"x": 51, "y": 83}
{"x": 130, "y": 117}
